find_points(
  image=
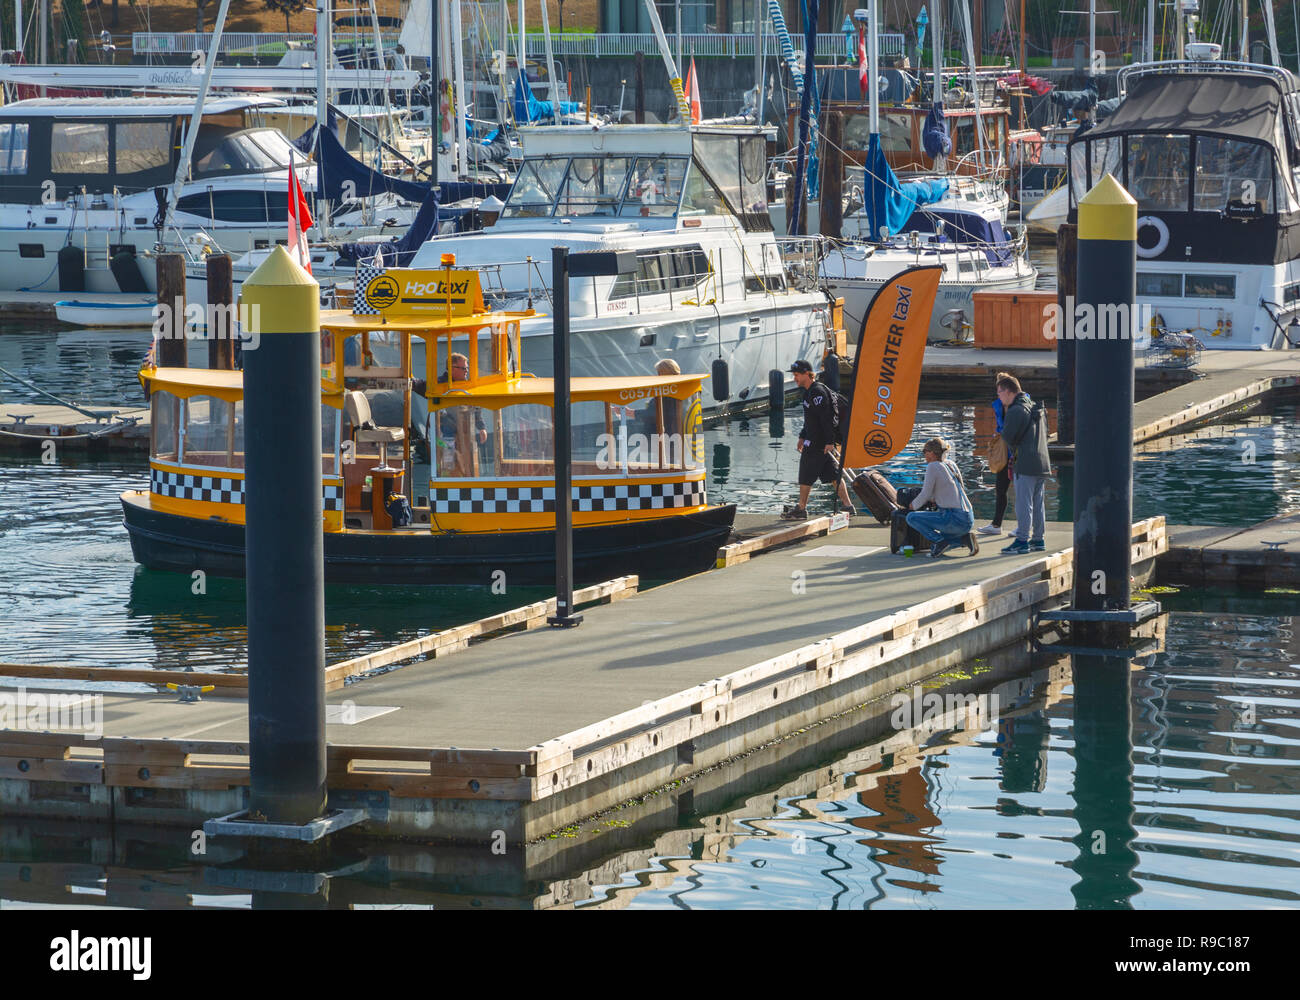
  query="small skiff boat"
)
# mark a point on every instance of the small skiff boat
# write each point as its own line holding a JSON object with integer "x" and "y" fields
{"x": 129, "y": 314}
{"x": 488, "y": 503}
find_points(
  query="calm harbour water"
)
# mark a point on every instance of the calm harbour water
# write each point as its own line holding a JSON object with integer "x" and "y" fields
{"x": 971, "y": 822}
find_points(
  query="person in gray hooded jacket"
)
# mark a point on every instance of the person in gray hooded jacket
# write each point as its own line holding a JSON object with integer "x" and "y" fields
{"x": 1024, "y": 429}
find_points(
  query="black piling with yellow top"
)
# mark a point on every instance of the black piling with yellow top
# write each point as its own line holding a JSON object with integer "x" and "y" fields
{"x": 284, "y": 543}
{"x": 1104, "y": 366}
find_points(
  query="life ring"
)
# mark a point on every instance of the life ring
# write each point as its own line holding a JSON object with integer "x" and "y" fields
{"x": 1162, "y": 237}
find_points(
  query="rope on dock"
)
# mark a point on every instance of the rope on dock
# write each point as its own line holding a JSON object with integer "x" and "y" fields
{"x": 93, "y": 414}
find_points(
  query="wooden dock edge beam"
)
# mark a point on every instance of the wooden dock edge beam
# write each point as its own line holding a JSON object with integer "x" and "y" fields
{"x": 739, "y": 552}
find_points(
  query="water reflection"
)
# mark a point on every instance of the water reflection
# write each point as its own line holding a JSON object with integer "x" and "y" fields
{"x": 1103, "y": 784}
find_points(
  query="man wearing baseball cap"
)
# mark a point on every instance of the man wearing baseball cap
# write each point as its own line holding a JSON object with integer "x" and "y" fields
{"x": 818, "y": 441}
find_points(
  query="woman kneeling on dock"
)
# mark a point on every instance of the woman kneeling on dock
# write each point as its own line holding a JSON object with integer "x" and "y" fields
{"x": 955, "y": 518}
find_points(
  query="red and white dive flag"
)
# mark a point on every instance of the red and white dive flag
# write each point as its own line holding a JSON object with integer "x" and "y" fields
{"x": 693, "y": 93}
{"x": 862, "y": 62}
{"x": 299, "y": 220}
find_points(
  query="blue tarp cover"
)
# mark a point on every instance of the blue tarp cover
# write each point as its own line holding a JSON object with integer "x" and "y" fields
{"x": 934, "y": 135}
{"x": 890, "y": 204}
{"x": 529, "y": 109}
{"x": 966, "y": 227}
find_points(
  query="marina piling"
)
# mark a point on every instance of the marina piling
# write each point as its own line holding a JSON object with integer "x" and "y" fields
{"x": 171, "y": 303}
{"x": 639, "y": 114}
{"x": 564, "y": 616}
{"x": 1066, "y": 273}
{"x": 1103, "y": 458}
{"x": 832, "y": 207}
{"x": 284, "y": 545}
{"x": 221, "y": 326}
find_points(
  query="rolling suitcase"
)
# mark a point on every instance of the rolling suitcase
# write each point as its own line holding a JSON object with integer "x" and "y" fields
{"x": 877, "y": 494}
{"x": 901, "y": 533}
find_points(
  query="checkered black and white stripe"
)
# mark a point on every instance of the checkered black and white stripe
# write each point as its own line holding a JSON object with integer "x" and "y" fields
{"x": 366, "y": 272}
{"x": 213, "y": 489}
{"x": 218, "y": 489}
{"x": 541, "y": 499}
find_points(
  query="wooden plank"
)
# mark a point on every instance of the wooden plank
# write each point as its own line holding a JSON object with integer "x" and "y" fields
{"x": 194, "y": 777}
{"x": 738, "y": 552}
{"x": 124, "y": 747}
{"x": 78, "y": 772}
{"x": 342, "y": 752}
{"x": 32, "y": 738}
{"x": 67, "y": 671}
{"x": 433, "y": 787}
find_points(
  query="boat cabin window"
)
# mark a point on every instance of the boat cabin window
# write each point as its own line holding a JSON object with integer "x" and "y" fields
{"x": 141, "y": 146}
{"x": 164, "y": 420}
{"x": 213, "y": 433}
{"x": 79, "y": 148}
{"x": 637, "y": 437}
{"x": 594, "y": 186}
{"x": 1232, "y": 173}
{"x": 662, "y": 271}
{"x": 13, "y": 147}
{"x": 737, "y": 168}
{"x": 533, "y": 195}
{"x": 1167, "y": 173}
{"x": 1159, "y": 167}
{"x": 700, "y": 196}
{"x": 895, "y": 132}
{"x": 251, "y": 151}
{"x": 1156, "y": 284}
{"x": 1210, "y": 286}
{"x": 654, "y": 187}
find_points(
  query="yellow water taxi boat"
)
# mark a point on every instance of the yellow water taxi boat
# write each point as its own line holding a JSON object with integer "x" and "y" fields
{"x": 419, "y": 382}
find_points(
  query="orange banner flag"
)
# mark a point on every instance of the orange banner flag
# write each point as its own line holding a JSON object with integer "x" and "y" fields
{"x": 887, "y": 371}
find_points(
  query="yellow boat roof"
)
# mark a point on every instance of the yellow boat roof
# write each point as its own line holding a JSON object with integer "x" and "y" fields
{"x": 343, "y": 321}
{"x": 627, "y": 389}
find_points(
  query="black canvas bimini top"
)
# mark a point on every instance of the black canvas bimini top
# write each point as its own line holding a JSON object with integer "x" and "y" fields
{"x": 1238, "y": 106}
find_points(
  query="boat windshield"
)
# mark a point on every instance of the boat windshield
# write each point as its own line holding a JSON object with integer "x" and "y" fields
{"x": 609, "y": 186}
{"x": 1179, "y": 172}
{"x": 253, "y": 151}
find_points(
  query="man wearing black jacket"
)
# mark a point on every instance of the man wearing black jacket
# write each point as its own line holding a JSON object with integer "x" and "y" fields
{"x": 818, "y": 442}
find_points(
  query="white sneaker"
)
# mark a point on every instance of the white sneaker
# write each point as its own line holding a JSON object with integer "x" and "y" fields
{"x": 990, "y": 529}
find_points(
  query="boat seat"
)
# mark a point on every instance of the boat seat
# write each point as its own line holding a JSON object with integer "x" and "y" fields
{"x": 357, "y": 409}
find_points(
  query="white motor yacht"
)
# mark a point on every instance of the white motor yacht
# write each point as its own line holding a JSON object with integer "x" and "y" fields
{"x": 94, "y": 174}
{"x": 1211, "y": 152}
{"x": 713, "y": 290}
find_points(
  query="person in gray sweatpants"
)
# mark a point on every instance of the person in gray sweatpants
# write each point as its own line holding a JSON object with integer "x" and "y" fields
{"x": 1024, "y": 429}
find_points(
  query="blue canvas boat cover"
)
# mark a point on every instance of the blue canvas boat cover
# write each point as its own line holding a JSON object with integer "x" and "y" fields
{"x": 966, "y": 227}
{"x": 529, "y": 109}
{"x": 335, "y": 166}
{"x": 890, "y": 204}
{"x": 934, "y": 136}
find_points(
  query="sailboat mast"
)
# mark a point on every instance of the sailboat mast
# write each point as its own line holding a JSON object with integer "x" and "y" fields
{"x": 1151, "y": 30}
{"x": 1023, "y": 69}
{"x": 435, "y": 119}
{"x": 196, "y": 119}
{"x": 556, "y": 93}
{"x": 760, "y": 15}
{"x": 1245, "y": 31}
{"x": 1092, "y": 37}
{"x": 873, "y": 67}
{"x": 936, "y": 43}
{"x": 18, "y": 25}
{"x": 459, "y": 105}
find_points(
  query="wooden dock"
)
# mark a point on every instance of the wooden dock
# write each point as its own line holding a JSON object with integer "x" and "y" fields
{"x": 1264, "y": 556}
{"x": 536, "y": 730}
{"x": 27, "y": 426}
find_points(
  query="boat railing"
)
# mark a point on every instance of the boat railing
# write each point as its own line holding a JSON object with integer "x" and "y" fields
{"x": 986, "y": 166}
{"x": 802, "y": 257}
{"x": 1165, "y": 67}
